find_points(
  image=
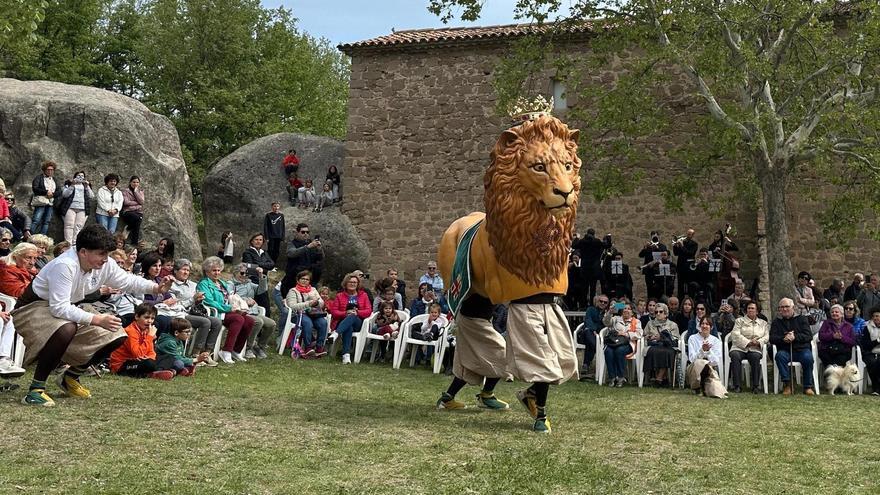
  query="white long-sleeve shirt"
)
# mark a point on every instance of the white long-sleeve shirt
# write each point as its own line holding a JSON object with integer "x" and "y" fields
{"x": 695, "y": 349}
{"x": 63, "y": 283}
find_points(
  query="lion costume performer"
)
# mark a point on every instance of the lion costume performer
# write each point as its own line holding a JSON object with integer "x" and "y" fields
{"x": 516, "y": 253}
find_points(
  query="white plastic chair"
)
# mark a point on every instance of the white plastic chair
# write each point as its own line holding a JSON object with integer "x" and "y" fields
{"x": 860, "y": 364}
{"x": 798, "y": 369}
{"x": 356, "y": 337}
{"x": 407, "y": 340}
{"x": 214, "y": 313}
{"x": 637, "y": 358}
{"x": 18, "y": 344}
{"x": 289, "y": 324}
{"x": 745, "y": 365}
{"x": 575, "y": 346}
{"x": 368, "y": 336}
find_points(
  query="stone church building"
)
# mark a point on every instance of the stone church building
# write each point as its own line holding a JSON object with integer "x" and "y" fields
{"x": 421, "y": 124}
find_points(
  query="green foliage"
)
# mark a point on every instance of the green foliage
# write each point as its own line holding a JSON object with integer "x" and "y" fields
{"x": 19, "y": 21}
{"x": 224, "y": 71}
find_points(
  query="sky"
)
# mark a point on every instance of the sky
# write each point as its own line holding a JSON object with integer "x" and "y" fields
{"x": 346, "y": 21}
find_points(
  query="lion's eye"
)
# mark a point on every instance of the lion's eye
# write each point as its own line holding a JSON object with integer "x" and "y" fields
{"x": 568, "y": 167}
{"x": 539, "y": 167}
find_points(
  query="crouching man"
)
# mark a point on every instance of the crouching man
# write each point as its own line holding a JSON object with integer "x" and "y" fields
{"x": 55, "y": 330}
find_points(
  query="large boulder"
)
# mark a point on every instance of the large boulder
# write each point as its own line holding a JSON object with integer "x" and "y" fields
{"x": 98, "y": 131}
{"x": 240, "y": 189}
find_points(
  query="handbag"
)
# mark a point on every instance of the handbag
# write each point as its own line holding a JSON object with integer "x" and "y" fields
{"x": 615, "y": 340}
{"x": 198, "y": 309}
{"x": 838, "y": 347}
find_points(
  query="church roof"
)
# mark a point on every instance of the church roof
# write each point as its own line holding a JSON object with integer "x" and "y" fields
{"x": 416, "y": 38}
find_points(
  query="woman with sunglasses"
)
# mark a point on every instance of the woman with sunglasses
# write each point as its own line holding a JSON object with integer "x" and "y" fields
{"x": 661, "y": 337}
{"x": 853, "y": 316}
{"x": 5, "y": 241}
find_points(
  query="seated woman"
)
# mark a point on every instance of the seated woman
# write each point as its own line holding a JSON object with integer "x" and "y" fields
{"x": 621, "y": 340}
{"x": 206, "y": 328}
{"x": 217, "y": 295}
{"x": 853, "y": 316}
{"x": 425, "y": 299}
{"x": 836, "y": 339}
{"x": 649, "y": 313}
{"x": 152, "y": 265}
{"x": 700, "y": 310}
{"x": 264, "y": 327}
{"x": 683, "y": 318}
{"x": 703, "y": 346}
{"x": 307, "y": 301}
{"x": 661, "y": 337}
{"x": 44, "y": 245}
{"x": 748, "y": 336}
{"x": 136, "y": 357}
{"x": 351, "y": 308}
{"x": 15, "y": 276}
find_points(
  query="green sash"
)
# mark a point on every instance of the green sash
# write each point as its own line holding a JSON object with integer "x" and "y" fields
{"x": 461, "y": 270}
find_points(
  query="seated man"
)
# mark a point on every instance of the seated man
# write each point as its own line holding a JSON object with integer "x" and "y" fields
{"x": 55, "y": 330}
{"x": 592, "y": 326}
{"x": 792, "y": 337}
{"x": 432, "y": 277}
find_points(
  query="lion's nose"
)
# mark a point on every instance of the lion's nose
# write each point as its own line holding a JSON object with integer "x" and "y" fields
{"x": 562, "y": 193}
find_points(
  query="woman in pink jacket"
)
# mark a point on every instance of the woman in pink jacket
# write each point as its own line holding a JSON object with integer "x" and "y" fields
{"x": 351, "y": 308}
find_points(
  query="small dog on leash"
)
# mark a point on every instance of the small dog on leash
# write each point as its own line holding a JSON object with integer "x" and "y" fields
{"x": 846, "y": 378}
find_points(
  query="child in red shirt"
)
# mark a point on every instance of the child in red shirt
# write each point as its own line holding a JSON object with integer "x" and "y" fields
{"x": 137, "y": 356}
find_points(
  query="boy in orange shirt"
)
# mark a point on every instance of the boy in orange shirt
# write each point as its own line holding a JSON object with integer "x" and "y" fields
{"x": 137, "y": 356}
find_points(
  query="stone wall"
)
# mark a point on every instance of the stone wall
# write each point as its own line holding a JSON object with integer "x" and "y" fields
{"x": 420, "y": 128}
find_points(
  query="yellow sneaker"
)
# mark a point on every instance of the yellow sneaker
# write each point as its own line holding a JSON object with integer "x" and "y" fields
{"x": 37, "y": 397}
{"x": 73, "y": 388}
{"x": 447, "y": 403}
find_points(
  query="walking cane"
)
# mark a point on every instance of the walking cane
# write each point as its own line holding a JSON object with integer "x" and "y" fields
{"x": 791, "y": 365}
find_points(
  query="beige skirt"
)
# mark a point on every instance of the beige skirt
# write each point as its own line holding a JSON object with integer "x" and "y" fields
{"x": 36, "y": 325}
{"x": 539, "y": 345}
{"x": 479, "y": 351}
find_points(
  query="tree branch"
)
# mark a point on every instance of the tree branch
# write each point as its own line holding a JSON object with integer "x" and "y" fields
{"x": 780, "y": 46}
{"x": 797, "y": 91}
{"x": 778, "y": 131}
{"x": 702, "y": 88}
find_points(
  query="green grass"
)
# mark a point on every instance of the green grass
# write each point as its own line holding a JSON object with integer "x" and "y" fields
{"x": 280, "y": 426}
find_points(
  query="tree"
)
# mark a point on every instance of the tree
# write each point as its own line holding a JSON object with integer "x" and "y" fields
{"x": 789, "y": 87}
{"x": 20, "y": 20}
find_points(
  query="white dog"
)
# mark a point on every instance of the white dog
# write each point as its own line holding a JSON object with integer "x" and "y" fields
{"x": 847, "y": 378}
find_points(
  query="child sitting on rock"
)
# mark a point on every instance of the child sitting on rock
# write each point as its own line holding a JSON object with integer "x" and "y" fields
{"x": 307, "y": 197}
{"x": 136, "y": 357}
{"x": 293, "y": 185}
{"x": 326, "y": 196}
{"x": 171, "y": 349}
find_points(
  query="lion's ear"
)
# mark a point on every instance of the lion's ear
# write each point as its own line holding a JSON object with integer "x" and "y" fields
{"x": 574, "y": 134}
{"x": 507, "y": 138}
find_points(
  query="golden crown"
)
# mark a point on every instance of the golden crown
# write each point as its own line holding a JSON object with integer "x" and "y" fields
{"x": 524, "y": 109}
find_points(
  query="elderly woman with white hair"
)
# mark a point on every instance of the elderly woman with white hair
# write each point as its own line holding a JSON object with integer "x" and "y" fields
{"x": 749, "y": 335}
{"x": 219, "y": 295}
{"x": 206, "y": 329}
{"x": 836, "y": 338}
{"x": 44, "y": 245}
{"x": 15, "y": 275}
{"x": 661, "y": 338}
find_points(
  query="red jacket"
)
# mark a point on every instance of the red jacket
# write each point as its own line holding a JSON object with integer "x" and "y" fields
{"x": 289, "y": 160}
{"x": 365, "y": 308}
{"x": 13, "y": 279}
{"x": 4, "y": 208}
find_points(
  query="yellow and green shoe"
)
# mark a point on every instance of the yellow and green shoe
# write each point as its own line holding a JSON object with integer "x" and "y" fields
{"x": 448, "y": 403}
{"x": 73, "y": 388}
{"x": 37, "y": 397}
{"x": 542, "y": 425}
{"x": 491, "y": 402}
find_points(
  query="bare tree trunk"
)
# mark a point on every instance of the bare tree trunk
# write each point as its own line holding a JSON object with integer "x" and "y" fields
{"x": 773, "y": 185}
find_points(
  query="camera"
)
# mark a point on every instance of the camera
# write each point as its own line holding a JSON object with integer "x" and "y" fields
{"x": 318, "y": 238}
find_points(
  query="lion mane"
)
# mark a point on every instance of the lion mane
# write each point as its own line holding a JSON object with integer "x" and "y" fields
{"x": 528, "y": 240}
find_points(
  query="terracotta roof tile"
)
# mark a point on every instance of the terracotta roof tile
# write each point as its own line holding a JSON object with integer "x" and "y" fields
{"x": 442, "y": 36}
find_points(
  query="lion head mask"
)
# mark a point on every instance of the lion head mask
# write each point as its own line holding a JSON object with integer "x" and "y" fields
{"x": 531, "y": 195}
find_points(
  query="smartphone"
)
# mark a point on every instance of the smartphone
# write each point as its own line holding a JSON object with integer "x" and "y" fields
{"x": 619, "y": 306}
{"x": 317, "y": 238}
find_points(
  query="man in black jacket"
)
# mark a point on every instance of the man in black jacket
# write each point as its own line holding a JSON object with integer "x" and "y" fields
{"x": 792, "y": 337}
{"x": 303, "y": 253}
{"x": 591, "y": 250}
{"x": 685, "y": 250}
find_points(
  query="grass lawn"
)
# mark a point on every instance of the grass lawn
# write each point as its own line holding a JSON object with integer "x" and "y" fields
{"x": 283, "y": 426}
